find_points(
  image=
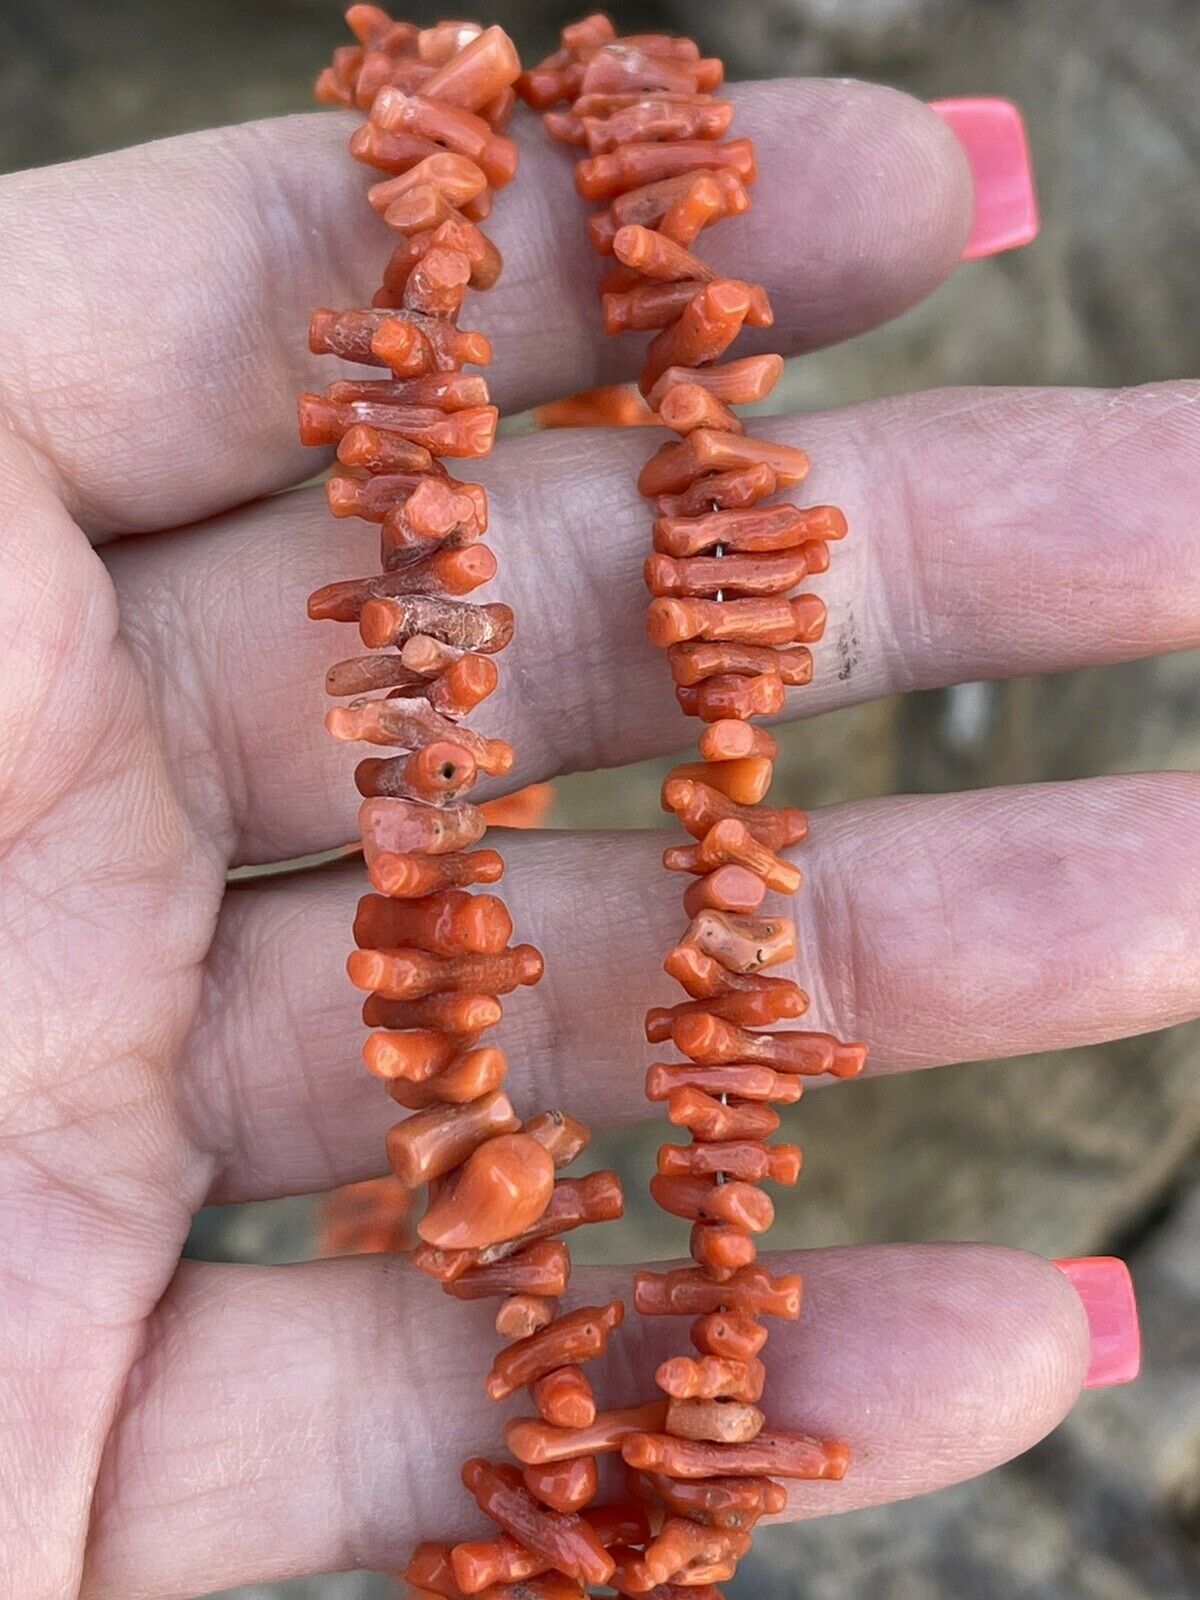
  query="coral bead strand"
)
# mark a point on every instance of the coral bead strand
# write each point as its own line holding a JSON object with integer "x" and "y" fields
{"x": 726, "y": 559}
{"x": 434, "y": 950}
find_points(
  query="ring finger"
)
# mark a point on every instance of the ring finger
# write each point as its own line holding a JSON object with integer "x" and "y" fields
{"x": 941, "y": 930}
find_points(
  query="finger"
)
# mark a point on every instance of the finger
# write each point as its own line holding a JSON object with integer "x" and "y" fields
{"x": 171, "y": 393}
{"x": 351, "y": 1391}
{"x": 992, "y": 533}
{"x": 940, "y": 930}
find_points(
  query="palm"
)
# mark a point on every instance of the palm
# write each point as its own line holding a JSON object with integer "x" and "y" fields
{"x": 110, "y": 897}
{"x": 169, "y": 1430}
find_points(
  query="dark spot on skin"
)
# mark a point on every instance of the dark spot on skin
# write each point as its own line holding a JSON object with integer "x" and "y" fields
{"x": 849, "y": 651}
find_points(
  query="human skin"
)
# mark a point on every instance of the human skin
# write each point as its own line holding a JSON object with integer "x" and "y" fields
{"x": 169, "y": 1429}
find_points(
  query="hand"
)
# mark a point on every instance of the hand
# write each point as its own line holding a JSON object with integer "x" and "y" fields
{"x": 168, "y": 1428}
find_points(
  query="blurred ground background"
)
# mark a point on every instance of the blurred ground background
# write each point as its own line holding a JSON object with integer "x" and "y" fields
{"x": 1085, "y": 1152}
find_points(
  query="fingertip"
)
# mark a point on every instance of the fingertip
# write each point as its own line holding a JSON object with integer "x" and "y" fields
{"x": 887, "y": 195}
{"x": 935, "y": 1362}
{"x": 924, "y": 166}
{"x": 1050, "y": 1346}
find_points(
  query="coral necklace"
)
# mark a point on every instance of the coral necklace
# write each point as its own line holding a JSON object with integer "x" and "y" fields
{"x": 700, "y": 1462}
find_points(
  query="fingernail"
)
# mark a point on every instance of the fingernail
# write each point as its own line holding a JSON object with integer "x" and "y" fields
{"x": 1106, "y": 1289}
{"x": 992, "y": 134}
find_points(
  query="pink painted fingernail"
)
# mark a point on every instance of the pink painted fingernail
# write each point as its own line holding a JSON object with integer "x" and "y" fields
{"x": 1106, "y": 1289}
{"x": 992, "y": 134}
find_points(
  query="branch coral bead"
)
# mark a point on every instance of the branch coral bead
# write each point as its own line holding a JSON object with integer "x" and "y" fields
{"x": 725, "y": 561}
{"x": 434, "y": 953}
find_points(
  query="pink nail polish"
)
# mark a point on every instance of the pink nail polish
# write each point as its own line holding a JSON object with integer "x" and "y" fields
{"x": 992, "y": 134}
{"x": 1106, "y": 1289}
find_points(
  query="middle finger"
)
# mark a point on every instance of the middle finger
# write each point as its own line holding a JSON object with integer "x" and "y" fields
{"x": 992, "y": 532}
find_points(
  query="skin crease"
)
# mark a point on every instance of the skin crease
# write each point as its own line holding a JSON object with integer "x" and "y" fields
{"x": 168, "y": 1431}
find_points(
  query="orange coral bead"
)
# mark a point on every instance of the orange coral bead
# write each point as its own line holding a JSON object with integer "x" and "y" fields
{"x": 734, "y": 383}
{"x": 707, "y": 326}
{"x": 733, "y": 574}
{"x": 576, "y": 1337}
{"x": 688, "y": 407}
{"x": 648, "y": 62}
{"x": 730, "y": 842}
{"x": 430, "y": 1568}
{"x": 729, "y": 695}
{"x": 719, "y": 1421}
{"x": 654, "y": 255}
{"x": 711, "y": 1119}
{"x": 675, "y": 466}
{"x": 562, "y": 1135}
{"x": 700, "y": 807}
{"x": 575, "y": 1202}
{"x": 773, "y": 620}
{"x": 563, "y": 1485}
{"x": 719, "y": 1502}
{"x": 549, "y": 1586}
{"x": 748, "y": 1159}
{"x": 567, "y": 1542}
{"x": 684, "y": 1546}
{"x": 411, "y": 343}
{"x": 385, "y": 619}
{"x": 535, "y": 1442}
{"x": 414, "y": 1055}
{"x": 455, "y": 177}
{"x": 780, "y": 1455}
{"x": 720, "y": 491}
{"x": 477, "y": 74}
{"x": 696, "y": 662}
{"x": 448, "y": 391}
{"x": 458, "y": 234}
{"x": 603, "y": 177}
{"x": 440, "y": 772}
{"x": 744, "y": 781}
{"x": 740, "y": 944}
{"x": 687, "y": 1290}
{"x": 409, "y": 974}
{"x": 522, "y": 1315}
{"x": 434, "y": 1142}
{"x": 702, "y": 1199}
{"x": 711, "y": 1378}
{"x": 468, "y": 1077}
{"x": 445, "y": 923}
{"x": 478, "y": 1565}
{"x": 411, "y": 725}
{"x": 750, "y": 1082}
{"x": 721, "y": 1249}
{"x": 731, "y": 740}
{"x": 564, "y": 1398}
{"x": 542, "y": 1269}
{"x": 458, "y": 130}
{"x": 502, "y": 1188}
{"x": 726, "y": 888}
{"x": 770, "y": 1000}
{"x": 405, "y": 875}
{"x": 461, "y": 1014}
{"x": 762, "y": 530}
{"x": 708, "y": 1038}
{"x": 728, "y": 1334}
{"x": 612, "y": 405}
{"x": 363, "y": 674}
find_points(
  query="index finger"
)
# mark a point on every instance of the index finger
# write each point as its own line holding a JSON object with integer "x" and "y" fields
{"x": 153, "y": 357}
